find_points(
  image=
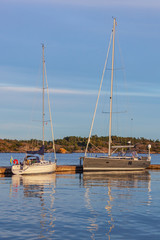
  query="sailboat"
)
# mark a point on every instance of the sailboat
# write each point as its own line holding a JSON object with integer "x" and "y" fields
{"x": 112, "y": 161}
{"x": 34, "y": 162}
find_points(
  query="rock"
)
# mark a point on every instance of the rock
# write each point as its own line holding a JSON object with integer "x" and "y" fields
{"x": 62, "y": 150}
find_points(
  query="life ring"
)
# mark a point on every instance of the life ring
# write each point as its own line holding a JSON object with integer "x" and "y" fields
{"x": 15, "y": 161}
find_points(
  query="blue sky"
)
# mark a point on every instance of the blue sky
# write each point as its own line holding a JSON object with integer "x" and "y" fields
{"x": 76, "y": 35}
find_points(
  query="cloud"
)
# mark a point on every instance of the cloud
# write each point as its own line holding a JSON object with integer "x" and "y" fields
{"x": 39, "y": 90}
{"x": 140, "y": 94}
{"x": 88, "y": 92}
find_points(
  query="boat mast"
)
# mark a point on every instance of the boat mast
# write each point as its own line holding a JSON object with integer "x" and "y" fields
{"x": 110, "y": 120}
{"x": 54, "y": 149}
{"x": 45, "y": 77}
{"x": 43, "y": 91}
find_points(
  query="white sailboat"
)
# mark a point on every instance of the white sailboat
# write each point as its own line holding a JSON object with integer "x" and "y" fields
{"x": 121, "y": 161}
{"x": 34, "y": 162}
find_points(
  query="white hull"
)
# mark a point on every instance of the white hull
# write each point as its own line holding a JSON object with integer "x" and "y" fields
{"x": 37, "y": 168}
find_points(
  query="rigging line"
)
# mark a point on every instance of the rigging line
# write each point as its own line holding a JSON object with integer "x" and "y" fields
{"x": 105, "y": 102}
{"x": 124, "y": 75}
{"x": 50, "y": 113}
{"x": 40, "y": 121}
{"x": 115, "y": 112}
{"x": 115, "y": 69}
{"x": 116, "y": 95}
{"x": 34, "y": 103}
{"x": 43, "y": 60}
{"x": 98, "y": 94}
{"x": 111, "y": 93}
{"x": 97, "y": 148}
{"x": 120, "y": 51}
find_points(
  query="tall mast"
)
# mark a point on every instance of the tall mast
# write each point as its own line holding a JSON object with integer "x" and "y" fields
{"x": 110, "y": 120}
{"x": 43, "y": 91}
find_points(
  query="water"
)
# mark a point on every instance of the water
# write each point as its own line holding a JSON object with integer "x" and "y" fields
{"x": 80, "y": 206}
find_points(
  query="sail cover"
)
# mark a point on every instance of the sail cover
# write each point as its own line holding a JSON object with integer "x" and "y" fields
{"x": 40, "y": 151}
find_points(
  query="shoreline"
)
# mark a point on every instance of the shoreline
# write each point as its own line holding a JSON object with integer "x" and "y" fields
{"x": 75, "y": 144}
{"x": 78, "y": 152}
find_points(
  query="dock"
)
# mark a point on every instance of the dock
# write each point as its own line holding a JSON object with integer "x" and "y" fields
{"x": 69, "y": 168}
{"x": 62, "y": 169}
{"x": 6, "y": 170}
{"x": 154, "y": 166}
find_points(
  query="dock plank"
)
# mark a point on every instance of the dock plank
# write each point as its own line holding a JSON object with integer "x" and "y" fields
{"x": 70, "y": 168}
{"x": 5, "y": 170}
{"x": 154, "y": 166}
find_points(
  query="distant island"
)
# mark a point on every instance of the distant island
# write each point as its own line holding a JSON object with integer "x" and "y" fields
{"x": 78, "y": 144}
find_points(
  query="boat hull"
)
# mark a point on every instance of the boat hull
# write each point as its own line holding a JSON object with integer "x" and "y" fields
{"x": 33, "y": 169}
{"x": 114, "y": 164}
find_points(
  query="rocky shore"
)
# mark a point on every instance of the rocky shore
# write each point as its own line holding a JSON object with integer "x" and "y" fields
{"x": 78, "y": 144}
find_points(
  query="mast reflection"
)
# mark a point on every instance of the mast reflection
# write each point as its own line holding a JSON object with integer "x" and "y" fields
{"x": 106, "y": 184}
{"x": 43, "y": 188}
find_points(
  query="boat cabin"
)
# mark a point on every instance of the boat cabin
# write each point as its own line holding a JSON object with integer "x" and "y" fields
{"x": 31, "y": 159}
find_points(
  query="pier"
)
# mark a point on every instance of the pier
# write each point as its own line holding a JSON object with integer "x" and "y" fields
{"x": 62, "y": 169}
{"x": 6, "y": 170}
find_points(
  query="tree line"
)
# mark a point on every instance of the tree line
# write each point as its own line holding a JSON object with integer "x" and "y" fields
{"x": 78, "y": 144}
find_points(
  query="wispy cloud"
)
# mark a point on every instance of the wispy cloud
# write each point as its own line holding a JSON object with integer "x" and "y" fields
{"x": 141, "y": 94}
{"x": 153, "y": 94}
{"x": 39, "y": 90}
{"x": 94, "y": 3}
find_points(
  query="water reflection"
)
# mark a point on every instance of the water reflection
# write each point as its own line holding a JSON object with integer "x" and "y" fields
{"x": 113, "y": 184}
{"x": 41, "y": 187}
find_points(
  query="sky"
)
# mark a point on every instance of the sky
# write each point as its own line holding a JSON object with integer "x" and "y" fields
{"x": 76, "y": 35}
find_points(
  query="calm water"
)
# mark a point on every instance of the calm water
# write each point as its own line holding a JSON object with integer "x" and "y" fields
{"x": 80, "y": 206}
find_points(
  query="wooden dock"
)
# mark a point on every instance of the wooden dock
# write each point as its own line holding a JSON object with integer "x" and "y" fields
{"x": 69, "y": 168}
{"x": 154, "y": 166}
{"x": 6, "y": 170}
{"x": 62, "y": 169}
